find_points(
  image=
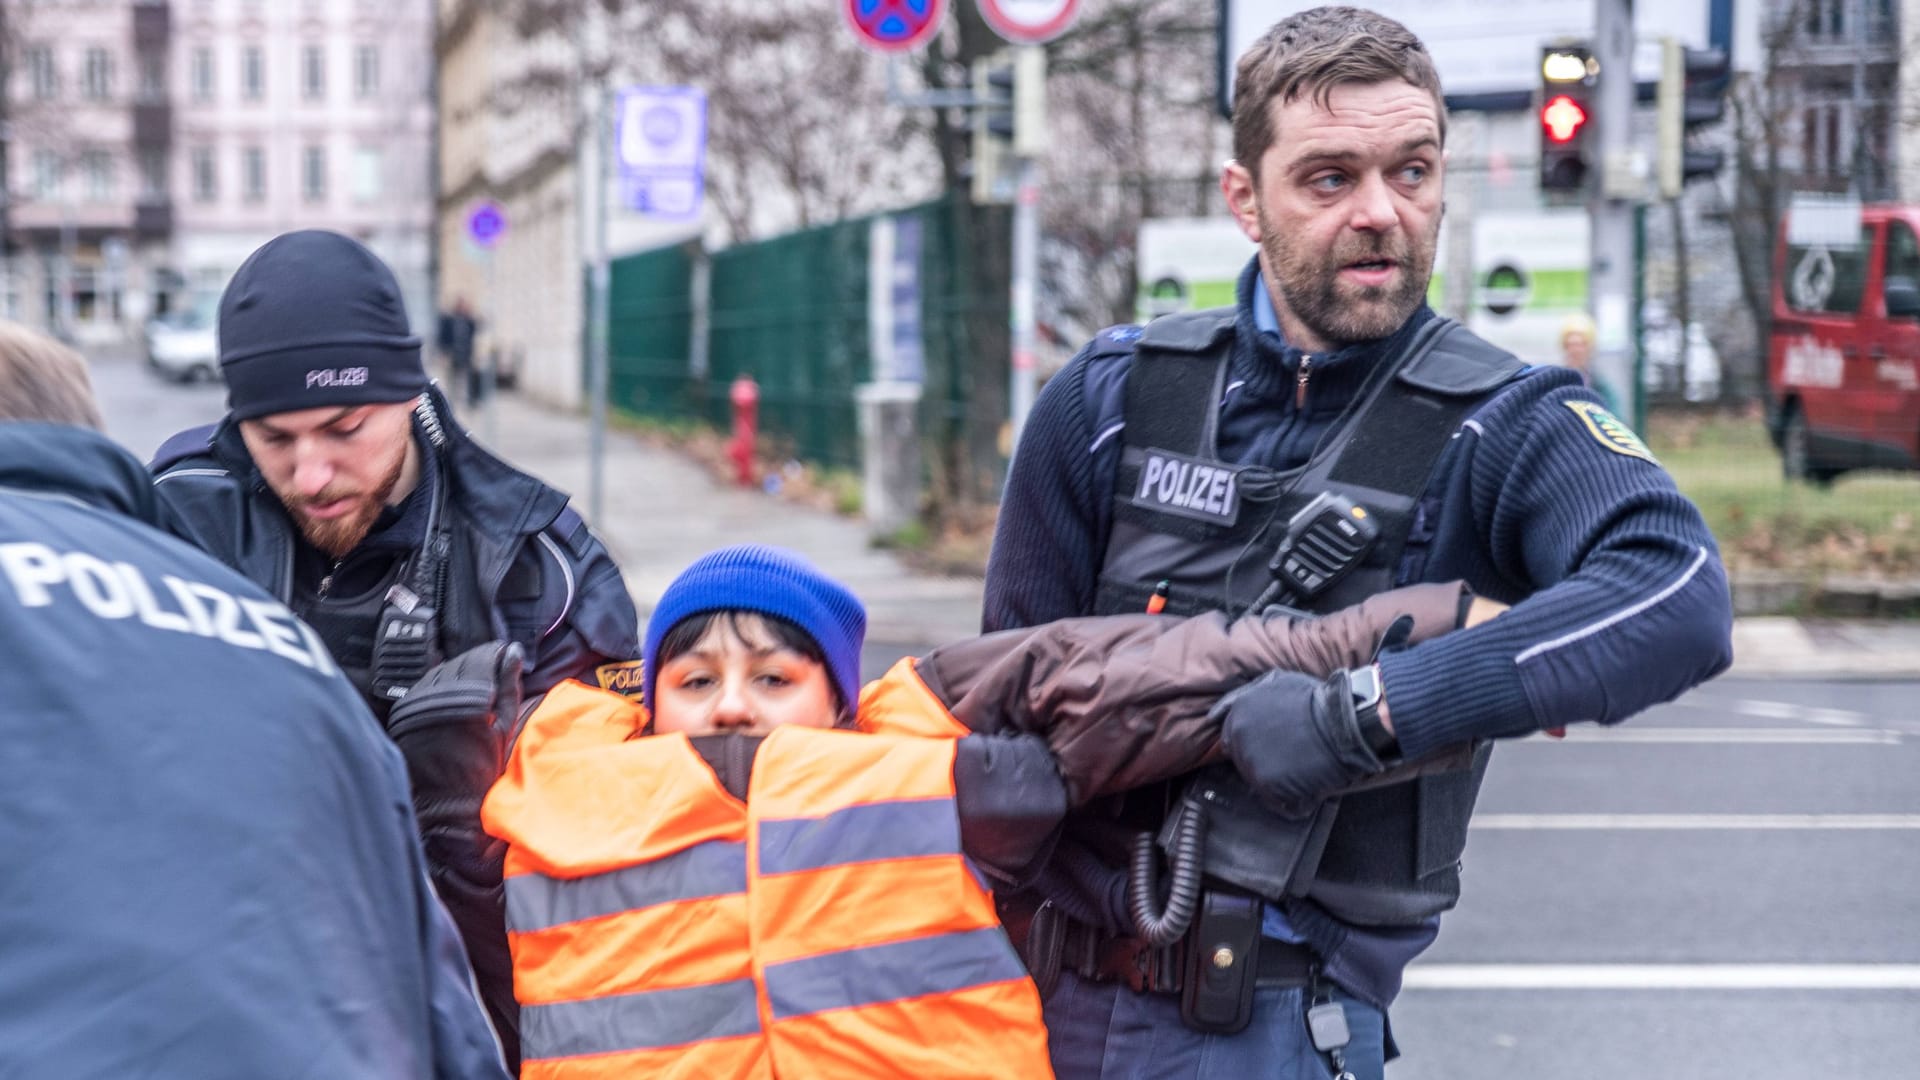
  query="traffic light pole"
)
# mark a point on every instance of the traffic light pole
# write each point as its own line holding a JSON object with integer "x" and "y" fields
{"x": 1611, "y": 278}
{"x": 1026, "y": 268}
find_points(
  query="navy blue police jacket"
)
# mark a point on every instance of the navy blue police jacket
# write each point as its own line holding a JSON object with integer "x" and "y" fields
{"x": 211, "y": 860}
{"x": 1619, "y": 597}
{"x": 522, "y": 567}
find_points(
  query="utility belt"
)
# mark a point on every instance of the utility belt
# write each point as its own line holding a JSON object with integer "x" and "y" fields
{"x": 1215, "y": 967}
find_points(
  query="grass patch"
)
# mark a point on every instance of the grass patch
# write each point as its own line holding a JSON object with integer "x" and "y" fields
{"x": 1863, "y": 524}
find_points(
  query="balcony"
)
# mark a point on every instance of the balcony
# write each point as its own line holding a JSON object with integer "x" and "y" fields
{"x": 152, "y": 124}
{"x": 153, "y": 219}
{"x": 152, "y": 24}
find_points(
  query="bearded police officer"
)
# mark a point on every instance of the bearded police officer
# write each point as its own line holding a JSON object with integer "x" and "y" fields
{"x": 1326, "y": 437}
{"x": 340, "y": 483}
{"x": 216, "y": 873}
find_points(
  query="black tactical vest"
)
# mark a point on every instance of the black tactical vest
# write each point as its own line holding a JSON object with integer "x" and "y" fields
{"x": 1389, "y": 856}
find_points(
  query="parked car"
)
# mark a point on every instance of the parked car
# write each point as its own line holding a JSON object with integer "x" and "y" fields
{"x": 1843, "y": 361}
{"x": 183, "y": 345}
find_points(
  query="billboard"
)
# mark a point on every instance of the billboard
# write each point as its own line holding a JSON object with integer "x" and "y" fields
{"x": 1488, "y": 51}
{"x": 1529, "y": 270}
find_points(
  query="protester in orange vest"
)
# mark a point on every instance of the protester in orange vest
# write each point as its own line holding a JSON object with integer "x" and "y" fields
{"x": 748, "y": 892}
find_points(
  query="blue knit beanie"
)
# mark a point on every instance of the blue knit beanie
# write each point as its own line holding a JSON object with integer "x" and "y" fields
{"x": 770, "y": 581}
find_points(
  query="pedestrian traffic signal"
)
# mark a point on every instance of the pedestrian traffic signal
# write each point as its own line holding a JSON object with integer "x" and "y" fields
{"x": 1567, "y": 82}
{"x": 1693, "y": 87}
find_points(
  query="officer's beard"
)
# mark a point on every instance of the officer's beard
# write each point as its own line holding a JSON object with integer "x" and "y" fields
{"x": 1340, "y": 312}
{"x": 339, "y": 535}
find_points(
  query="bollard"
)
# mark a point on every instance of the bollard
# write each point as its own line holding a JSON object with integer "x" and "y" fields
{"x": 745, "y": 396}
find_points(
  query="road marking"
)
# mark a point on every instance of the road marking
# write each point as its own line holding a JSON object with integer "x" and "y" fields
{"x": 1781, "y": 710}
{"x": 1696, "y": 821}
{"x": 1752, "y": 736}
{"x": 1663, "y": 977}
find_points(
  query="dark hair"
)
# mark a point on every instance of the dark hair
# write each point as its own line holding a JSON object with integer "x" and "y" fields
{"x": 1310, "y": 53}
{"x": 690, "y": 631}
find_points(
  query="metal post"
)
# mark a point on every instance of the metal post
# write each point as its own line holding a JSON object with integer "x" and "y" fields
{"x": 600, "y": 135}
{"x": 1611, "y": 211}
{"x": 489, "y": 375}
{"x": 1026, "y": 266}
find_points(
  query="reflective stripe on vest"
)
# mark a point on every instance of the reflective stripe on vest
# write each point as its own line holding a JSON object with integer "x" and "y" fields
{"x": 829, "y": 927}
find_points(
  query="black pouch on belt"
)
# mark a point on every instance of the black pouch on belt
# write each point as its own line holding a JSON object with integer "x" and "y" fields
{"x": 1223, "y": 959}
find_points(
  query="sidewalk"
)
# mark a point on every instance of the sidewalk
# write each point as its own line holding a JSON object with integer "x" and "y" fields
{"x": 663, "y": 511}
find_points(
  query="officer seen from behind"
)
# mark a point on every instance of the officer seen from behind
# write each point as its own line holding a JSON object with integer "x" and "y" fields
{"x": 1325, "y": 438}
{"x": 211, "y": 862}
{"x": 339, "y": 483}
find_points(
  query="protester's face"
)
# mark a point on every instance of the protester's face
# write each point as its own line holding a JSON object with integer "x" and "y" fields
{"x": 1346, "y": 211}
{"x": 737, "y": 679}
{"x": 334, "y": 468}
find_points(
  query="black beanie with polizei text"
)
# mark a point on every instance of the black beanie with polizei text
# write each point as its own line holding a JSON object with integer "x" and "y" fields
{"x": 314, "y": 319}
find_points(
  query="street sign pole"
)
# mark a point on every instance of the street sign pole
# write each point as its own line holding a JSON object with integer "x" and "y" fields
{"x": 600, "y": 137}
{"x": 1026, "y": 267}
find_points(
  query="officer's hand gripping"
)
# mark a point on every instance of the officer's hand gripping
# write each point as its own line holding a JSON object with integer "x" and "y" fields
{"x": 454, "y": 728}
{"x": 1295, "y": 739}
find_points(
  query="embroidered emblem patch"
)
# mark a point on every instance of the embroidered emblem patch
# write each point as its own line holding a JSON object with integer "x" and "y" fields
{"x": 623, "y": 678}
{"x": 1191, "y": 487}
{"x": 1609, "y": 432}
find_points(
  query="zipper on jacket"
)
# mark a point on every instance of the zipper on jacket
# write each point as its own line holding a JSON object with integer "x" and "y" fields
{"x": 326, "y": 582}
{"x": 1300, "y": 382}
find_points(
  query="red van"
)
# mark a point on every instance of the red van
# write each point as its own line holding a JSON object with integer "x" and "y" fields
{"x": 1843, "y": 363}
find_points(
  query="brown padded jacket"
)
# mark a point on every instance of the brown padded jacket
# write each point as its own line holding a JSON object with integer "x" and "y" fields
{"x": 1124, "y": 700}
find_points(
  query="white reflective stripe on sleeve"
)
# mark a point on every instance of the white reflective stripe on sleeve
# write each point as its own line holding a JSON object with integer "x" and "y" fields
{"x": 1105, "y": 435}
{"x": 1595, "y": 627}
{"x": 566, "y": 572}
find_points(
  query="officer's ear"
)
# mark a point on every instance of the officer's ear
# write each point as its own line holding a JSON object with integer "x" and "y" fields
{"x": 1237, "y": 186}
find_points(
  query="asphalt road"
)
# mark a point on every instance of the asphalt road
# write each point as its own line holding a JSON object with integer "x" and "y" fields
{"x": 1728, "y": 886}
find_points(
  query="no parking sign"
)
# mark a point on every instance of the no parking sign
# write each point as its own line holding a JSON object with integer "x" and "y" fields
{"x": 894, "y": 25}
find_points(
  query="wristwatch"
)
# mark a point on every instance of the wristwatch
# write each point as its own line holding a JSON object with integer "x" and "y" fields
{"x": 1364, "y": 684}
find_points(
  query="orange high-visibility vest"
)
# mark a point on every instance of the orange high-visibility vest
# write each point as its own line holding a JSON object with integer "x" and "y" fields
{"x": 828, "y": 927}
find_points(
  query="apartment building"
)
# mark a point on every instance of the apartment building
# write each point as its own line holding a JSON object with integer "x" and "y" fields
{"x": 88, "y": 130}
{"x": 292, "y": 114}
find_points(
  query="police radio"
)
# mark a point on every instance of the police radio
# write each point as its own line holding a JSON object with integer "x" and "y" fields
{"x": 1323, "y": 543}
{"x": 406, "y": 644}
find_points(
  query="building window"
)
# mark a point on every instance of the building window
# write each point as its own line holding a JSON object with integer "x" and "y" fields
{"x": 98, "y": 82}
{"x": 313, "y": 72}
{"x": 206, "y": 185}
{"x": 153, "y": 75}
{"x": 98, "y": 167}
{"x": 252, "y": 75}
{"x": 369, "y": 181}
{"x": 203, "y": 74}
{"x": 314, "y": 176}
{"x": 46, "y": 174}
{"x": 153, "y": 174}
{"x": 253, "y": 174}
{"x": 46, "y": 77}
{"x": 366, "y": 71}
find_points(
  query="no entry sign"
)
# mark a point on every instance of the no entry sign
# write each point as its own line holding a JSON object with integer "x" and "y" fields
{"x": 894, "y": 25}
{"x": 1029, "y": 22}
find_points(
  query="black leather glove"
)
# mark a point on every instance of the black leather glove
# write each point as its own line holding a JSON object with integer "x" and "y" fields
{"x": 454, "y": 729}
{"x": 1295, "y": 738}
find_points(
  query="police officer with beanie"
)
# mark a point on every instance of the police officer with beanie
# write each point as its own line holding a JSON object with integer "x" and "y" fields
{"x": 1325, "y": 438}
{"x": 339, "y": 482}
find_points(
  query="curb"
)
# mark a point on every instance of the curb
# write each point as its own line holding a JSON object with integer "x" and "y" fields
{"x": 1770, "y": 593}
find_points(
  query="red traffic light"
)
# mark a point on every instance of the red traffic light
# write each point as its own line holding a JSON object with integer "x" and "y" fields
{"x": 1563, "y": 118}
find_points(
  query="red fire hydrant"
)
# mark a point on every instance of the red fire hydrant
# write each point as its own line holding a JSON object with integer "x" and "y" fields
{"x": 745, "y": 396}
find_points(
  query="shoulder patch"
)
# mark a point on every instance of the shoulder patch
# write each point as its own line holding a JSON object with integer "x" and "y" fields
{"x": 1609, "y": 431}
{"x": 1114, "y": 341}
{"x": 623, "y": 678}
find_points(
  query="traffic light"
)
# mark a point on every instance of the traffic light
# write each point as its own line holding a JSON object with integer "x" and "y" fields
{"x": 1568, "y": 78}
{"x": 1693, "y": 87}
{"x": 1009, "y": 117}
{"x": 992, "y": 125}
